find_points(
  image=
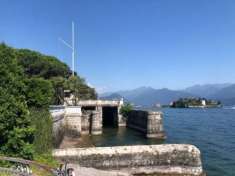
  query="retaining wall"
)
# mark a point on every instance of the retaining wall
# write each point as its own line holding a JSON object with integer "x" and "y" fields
{"x": 169, "y": 159}
{"x": 148, "y": 122}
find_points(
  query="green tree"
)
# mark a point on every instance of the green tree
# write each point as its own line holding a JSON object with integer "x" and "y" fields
{"x": 16, "y": 133}
{"x": 79, "y": 89}
{"x": 50, "y": 68}
{"x": 58, "y": 85}
{"x": 30, "y": 80}
{"x": 38, "y": 65}
{"x": 39, "y": 92}
{"x": 126, "y": 109}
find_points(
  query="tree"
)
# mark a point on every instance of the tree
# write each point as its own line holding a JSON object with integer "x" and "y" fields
{"x": 16, "y": 133}
{"x": 79, "y": 89}
{"x": 29, "y": 83}
{"x": 39, "y": 92}
{"x": 36, "y": 64}
{"x": 126, "y": 109}
{"x": 58, "y": 84}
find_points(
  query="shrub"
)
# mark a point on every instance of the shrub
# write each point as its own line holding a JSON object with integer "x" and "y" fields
{"x": 125, "y": 109}
{"x": 39, "y": 92}
{"x": 42, "y": 122}
{"x": 16, "y": 134}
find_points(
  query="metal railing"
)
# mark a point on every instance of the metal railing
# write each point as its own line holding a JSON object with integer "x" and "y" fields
{"x": 22, "y": 167}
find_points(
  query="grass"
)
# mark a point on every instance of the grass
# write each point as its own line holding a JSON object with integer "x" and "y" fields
{"x": 45, "y": 159}
{"x": 5, "y": 174}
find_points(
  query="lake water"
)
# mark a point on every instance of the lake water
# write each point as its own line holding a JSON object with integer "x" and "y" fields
{"x": 211, "y": 130}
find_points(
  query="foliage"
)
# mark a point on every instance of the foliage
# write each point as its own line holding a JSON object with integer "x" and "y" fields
{"x": 5, "y": 174}
{"x": 125, "y": 109}
{"x": 59, "y": 86}
{"x": 194, "y": 102}
{"x": 42, "y": 122}
{"x": 16, "y": 134}
{"x": 59, "y": 74}
{"x": 39, "y": 65}
{"x": 39, "y": 92}
{"x": 29, "y": 83}
{"x": 79, "y": 89}
{"x": 47, "y": 158}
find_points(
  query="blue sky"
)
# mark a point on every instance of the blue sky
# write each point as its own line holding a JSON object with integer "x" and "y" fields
{"x": 124, "y": 44}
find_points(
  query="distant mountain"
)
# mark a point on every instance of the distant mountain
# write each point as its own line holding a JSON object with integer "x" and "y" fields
{"x": 206, "y": 90}
{"x": 132, "y": 94}
{"x": 111, "y": 96}
{"x": 148, "y": 96}
{"x": 155, "y": 96}
{"x": 225, "y": 95}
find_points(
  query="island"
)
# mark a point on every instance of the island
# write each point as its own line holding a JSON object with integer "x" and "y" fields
{"x": 195, "y": 103}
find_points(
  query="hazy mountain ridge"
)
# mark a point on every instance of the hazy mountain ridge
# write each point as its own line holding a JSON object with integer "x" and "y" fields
{"x": 148, "y": 96}
{"x": 226, "y": 95}
{"x": 206, "y": 89}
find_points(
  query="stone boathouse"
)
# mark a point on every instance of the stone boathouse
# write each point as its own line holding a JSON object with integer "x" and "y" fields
{"x": 90, "y": 116}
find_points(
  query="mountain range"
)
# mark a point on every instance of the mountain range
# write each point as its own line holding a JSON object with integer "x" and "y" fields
{"x": 148, "y": 96}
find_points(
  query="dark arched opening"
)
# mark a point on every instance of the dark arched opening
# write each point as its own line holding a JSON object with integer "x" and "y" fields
{"x": 110, "y": 116}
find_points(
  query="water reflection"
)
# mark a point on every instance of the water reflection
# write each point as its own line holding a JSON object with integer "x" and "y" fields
{"x": 121, "y": 136}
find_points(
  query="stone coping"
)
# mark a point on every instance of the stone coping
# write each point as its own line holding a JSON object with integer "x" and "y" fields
{"x": 182, "y": 159}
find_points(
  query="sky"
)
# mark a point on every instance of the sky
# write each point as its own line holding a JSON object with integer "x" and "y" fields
{"x": 125, "y": 44}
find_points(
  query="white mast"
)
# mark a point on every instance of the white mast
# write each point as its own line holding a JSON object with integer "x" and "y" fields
{"x": 71, "y": 46}
{"x": 73, "y": 50}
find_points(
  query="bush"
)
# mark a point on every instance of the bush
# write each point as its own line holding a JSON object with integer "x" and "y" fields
{"x": 125, "y": 109}
{"x": 39, "y": 92}
{"x": 42, "y": 122}
{"x": 16, "y": 134}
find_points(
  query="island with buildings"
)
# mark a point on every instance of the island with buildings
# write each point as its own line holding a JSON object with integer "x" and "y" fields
{"x": 195, "y": 103}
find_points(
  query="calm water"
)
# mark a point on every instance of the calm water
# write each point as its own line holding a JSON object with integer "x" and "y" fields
{"x": 211, "y": 130}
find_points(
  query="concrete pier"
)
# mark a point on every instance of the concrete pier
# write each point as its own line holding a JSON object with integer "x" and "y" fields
{"x": 72, "y": 121}
{"x": 148, "y": 122}
{"x": 96, "y": 123}
{"x": 168, "y": 159}
{"x": 85, "y": 120}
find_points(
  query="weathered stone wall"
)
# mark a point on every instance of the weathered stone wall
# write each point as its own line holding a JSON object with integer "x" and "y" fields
{"x": 86, "y": 120}
{"x": 96, "y": 123}
{"x": 155, "y": 125}
{"x": 148, "y": 122}
{"x": 72, "y": 120}
{"x": 58, "y": 129}
{"x": 77, "y": 122}
{"x": 66, "y": 121}
{"x": 153, "y": 159}
{"x": 138, "y": 120}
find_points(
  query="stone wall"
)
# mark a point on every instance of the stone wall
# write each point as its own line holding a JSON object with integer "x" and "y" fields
{"x": 169, "y": 159}
{"x": 148, "y": 122}
{"x": 72, "y": 120}
{"x": 96, "y": 123}
{"x": 86, "y": 120}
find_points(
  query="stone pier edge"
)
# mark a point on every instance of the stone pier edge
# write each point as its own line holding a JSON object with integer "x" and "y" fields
{"x": 178, "y": 159}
